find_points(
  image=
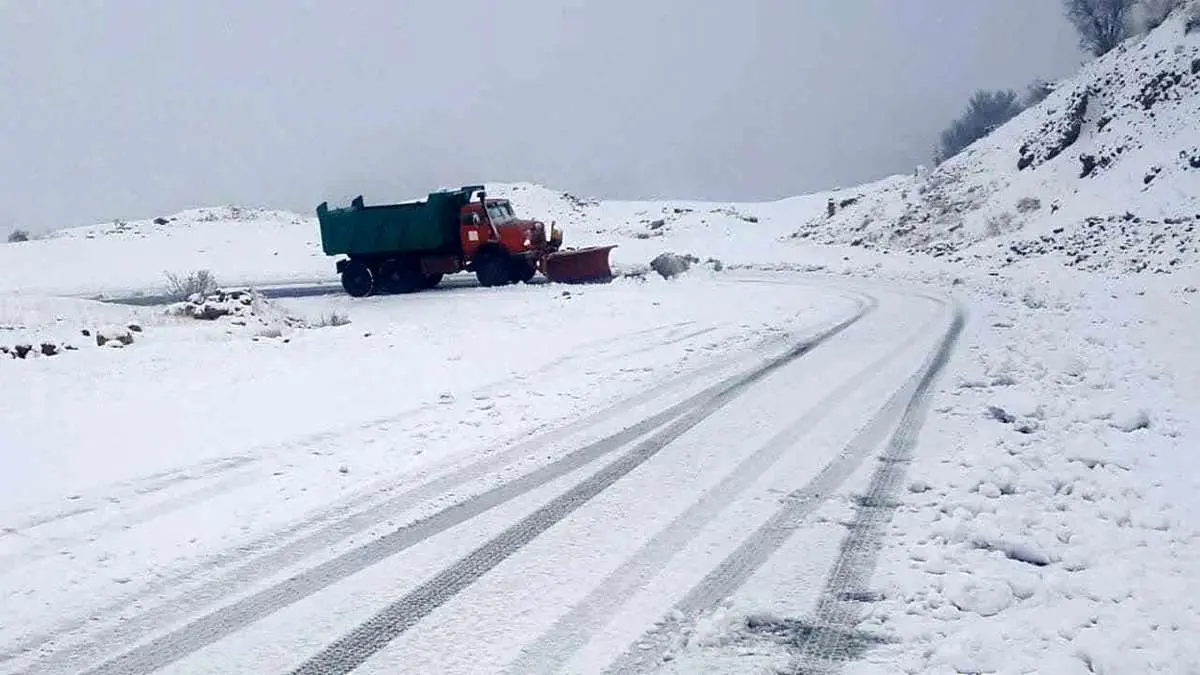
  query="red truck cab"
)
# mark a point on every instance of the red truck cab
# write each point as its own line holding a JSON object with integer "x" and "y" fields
{"x": 493, "y": 221}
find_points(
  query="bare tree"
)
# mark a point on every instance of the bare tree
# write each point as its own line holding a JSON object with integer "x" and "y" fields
{"x": 1155, "y": 12}
{"x": 184, "y": 286}
{"x": 1036, "y": 92}
{"x": 986, "y": 111}
{"x": 1102, "y": 24}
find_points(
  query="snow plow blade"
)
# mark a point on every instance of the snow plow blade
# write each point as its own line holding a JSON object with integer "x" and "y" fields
{"x": 579, "y": 266}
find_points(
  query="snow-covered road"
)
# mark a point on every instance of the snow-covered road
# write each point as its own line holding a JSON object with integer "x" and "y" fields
{"x": 592, "y": 545}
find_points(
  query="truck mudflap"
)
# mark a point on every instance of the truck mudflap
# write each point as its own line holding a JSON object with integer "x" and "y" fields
{"x": 578, "y": 266}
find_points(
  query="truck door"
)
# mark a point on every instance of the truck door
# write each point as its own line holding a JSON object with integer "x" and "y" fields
{"x": 474, "y": 232}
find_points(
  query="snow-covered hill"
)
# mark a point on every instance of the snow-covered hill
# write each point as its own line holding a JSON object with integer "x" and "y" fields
{"x": 243, "y": 246}
{"x": 1105, "y": 173}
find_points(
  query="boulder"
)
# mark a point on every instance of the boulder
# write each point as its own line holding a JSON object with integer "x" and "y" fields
{"x": 670, "y": 264}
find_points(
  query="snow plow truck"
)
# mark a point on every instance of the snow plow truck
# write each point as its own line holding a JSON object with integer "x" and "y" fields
{"x": 411, "y": 246}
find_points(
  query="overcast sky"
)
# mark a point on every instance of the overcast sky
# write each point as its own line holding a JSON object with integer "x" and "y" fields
{"x": 134, "y": 108}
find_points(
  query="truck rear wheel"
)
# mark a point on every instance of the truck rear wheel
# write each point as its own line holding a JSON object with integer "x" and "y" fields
{"x": 357, "y": 279}
{"x": 492, "y": 269}
{"x": 397, "y": 275}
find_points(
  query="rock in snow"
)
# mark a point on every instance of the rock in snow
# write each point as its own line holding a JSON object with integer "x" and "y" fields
{"x": 671, "y": 265}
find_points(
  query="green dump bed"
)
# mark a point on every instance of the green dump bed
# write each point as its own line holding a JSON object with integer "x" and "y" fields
{"x": 429, "y": 226}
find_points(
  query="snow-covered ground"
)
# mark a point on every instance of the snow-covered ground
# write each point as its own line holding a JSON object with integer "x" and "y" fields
{"x": 242, "y": 492}
{"x": 1059, "y": 434}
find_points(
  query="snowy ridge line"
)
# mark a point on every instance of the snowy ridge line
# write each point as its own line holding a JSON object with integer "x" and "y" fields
{"x": 148, "y": 485}
{"x": 211, "y": 627}
{"x": 832, "y": 640}
{"x": 354, "y": 648}
{"x": 572, "y": 630}
{"x": 648, "y": 651}
{"x": 347, "y": 518}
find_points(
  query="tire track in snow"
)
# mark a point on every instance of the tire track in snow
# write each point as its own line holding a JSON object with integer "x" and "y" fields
{"x": 141, "y": 487}
{"x": 648, "y": 651}
{"x": 45, "y": 548}
{"x": 208, "y": 629}
{"x": 832, "y": 640}
{"x": 123, "y": 492}
{"x": 354, "y": 648}
{"x": 571, "y": 631}
{"x": 280, "y": 550}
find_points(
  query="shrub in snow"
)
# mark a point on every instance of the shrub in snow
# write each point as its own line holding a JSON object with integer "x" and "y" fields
{"x": 199, "y": 282}
{"x": 333, "y": 319}
{"x": 1033, "y": 299}
{"x": 999, "y": 224}
{"x": 1028, "y": 205}
{"x": 17, "y": 236}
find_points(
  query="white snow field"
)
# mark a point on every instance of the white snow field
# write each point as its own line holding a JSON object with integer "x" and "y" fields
{"x": 950, "y": 427}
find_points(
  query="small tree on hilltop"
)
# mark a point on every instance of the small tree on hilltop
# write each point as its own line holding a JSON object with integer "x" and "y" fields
{"x": 1037, "y": 92}
{"x": 1155, "y": 12}
{"x": 1102, "y": 24}
{"x": 986, "y": 111}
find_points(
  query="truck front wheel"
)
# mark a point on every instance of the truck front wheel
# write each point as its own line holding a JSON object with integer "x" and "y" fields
{"x": 357, "y": 279}
{"x": 522, "y": 271}
{"x": 492, "y": 269}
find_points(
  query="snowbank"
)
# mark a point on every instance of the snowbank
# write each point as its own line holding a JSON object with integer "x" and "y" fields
{"x": 1056, "y": 529}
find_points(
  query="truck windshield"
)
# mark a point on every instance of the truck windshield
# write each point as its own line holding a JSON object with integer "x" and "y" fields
{"x": 500, "y": 213}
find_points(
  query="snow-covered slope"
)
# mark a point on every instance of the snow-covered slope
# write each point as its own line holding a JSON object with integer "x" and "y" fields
{"x": 243, "y": 246}
{"x": 1104, "y": 173}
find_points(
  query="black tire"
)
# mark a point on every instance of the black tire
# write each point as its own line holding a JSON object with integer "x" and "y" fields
{"x": 357, "y": 279}
{"x": 492, "y": 269}
{"x": 397, "y": 275}
{"x": 522, "y": 271}
{"x": 432, "y": 280}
